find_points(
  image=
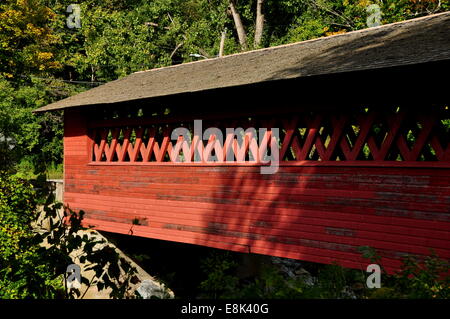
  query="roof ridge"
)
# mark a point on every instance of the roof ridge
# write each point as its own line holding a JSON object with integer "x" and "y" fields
{"x": 420, "y": 40}
{"x": 281, "y": 46}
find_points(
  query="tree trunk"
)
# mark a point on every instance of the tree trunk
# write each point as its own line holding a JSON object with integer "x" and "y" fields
{"x": 239, "y": 26}
{"x": 222, "y": 42}
{"x": 259, "y": 23}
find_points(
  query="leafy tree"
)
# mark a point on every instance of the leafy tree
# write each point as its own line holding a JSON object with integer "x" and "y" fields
{"x": 28, "y": 51}
{"x": 113, "y": 43}
{"x": 29, "y": 137}
{"x": 27, "y": 43}
{"x": 119, "y": 37}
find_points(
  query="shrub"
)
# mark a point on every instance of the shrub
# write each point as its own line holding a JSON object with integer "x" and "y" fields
{"x": 23, "y": 273}
{"x": 30, "y": 269}
{"x": 220, "y": 281}
{"x": 424, "y": 278}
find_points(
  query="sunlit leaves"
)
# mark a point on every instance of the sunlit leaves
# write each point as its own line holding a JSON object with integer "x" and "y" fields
{"x": 27, "y": 43}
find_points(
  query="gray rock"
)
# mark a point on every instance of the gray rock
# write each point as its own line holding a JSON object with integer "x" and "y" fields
{"x": 348, "y": 293}
{"x": 149, "y": 289}
{"x": 293, "y": 269}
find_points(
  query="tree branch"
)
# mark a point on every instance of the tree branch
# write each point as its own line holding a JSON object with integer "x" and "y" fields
{"x": 349, "y": 22}
{"x": 176, "y": 49}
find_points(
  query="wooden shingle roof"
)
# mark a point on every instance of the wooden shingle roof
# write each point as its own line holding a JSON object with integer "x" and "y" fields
{"x": 420, "y": 40}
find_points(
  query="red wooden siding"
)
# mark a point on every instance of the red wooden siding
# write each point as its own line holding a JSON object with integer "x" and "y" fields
{"x": 330, "y": 195}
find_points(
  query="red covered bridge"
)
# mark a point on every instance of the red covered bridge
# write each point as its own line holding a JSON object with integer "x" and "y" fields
{"x": 363, "y": 145}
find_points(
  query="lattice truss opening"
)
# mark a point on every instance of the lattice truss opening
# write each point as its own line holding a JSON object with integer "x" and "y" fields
{"x": 364, "y": 134}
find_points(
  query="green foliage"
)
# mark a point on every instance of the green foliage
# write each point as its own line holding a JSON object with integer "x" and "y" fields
{"x": 28, "y": 140}
{"x": 369, "y": 253}
{"x": 33, "y": 264}
{"x": 23, "y": 272}
{"x": 418, "y": 279}
{"x": 25, "y": 169}
{"x": 220, "y": 281}
{"x": 121, "y": 37}
{"x": 55, "y": 171}
{"x": 17, "y": 206}
{"x": 27, "y": 42}
{"x": 425, "y": 278}
{"x": 271, "y": 284}
{"x": 428, "y": 278}
{"x": 398, "y": 10}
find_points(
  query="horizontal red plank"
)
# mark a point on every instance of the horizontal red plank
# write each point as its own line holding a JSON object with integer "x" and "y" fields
{"x": 399, "y": 184}
{"x": 261, "y": 191}
{"x": 387, "y": 164}
{"x": 283, "y": 250}
{"x": 311, "y": 169}
{"x": 267, "y": 213}
{"x": 355, "y": 176}
{"x": 259, "y": 199}
{"x": 327, "y": 211}
{"x": 293, "y": 230}
{"x": 283, "y": 219}
{"x": 76, "y": 153}
{"x": 427, "y": 192}
{"x": 259, "y": 188}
